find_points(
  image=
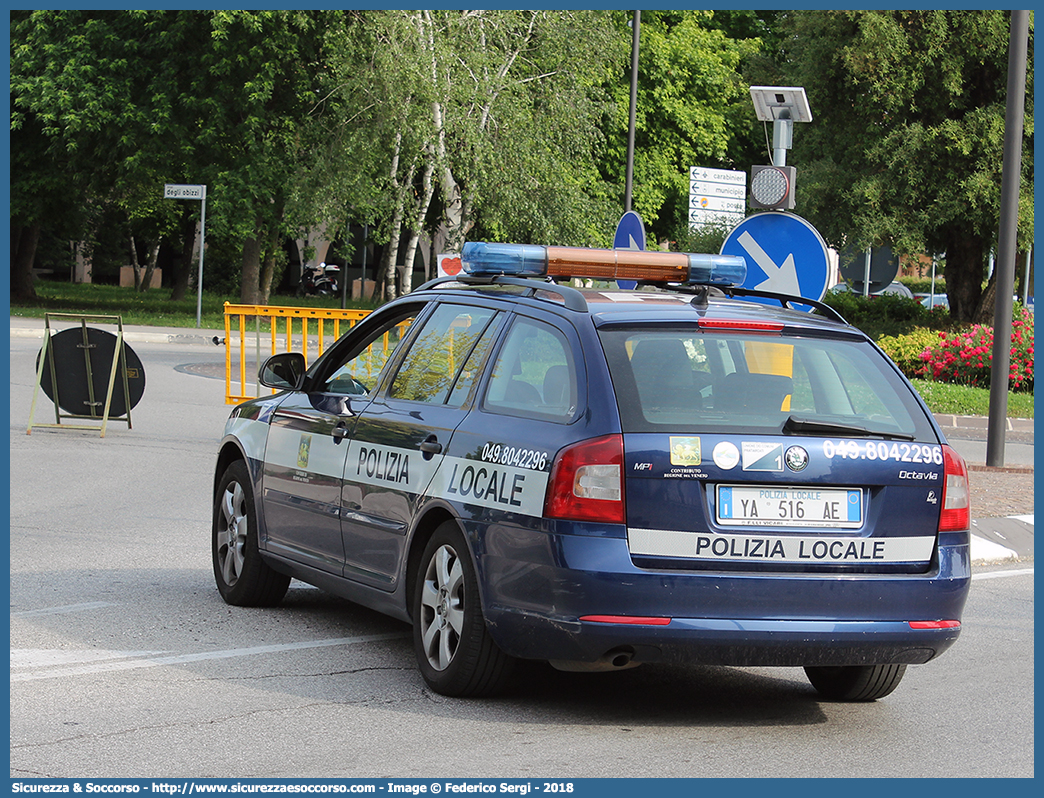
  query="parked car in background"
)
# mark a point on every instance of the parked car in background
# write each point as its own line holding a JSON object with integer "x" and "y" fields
{"x": 895, "y": 288}
{"x": 933, "y": 301}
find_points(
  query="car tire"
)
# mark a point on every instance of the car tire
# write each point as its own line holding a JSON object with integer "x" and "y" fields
{"x": 242, "y": 577}
{"x": 855, "y": 682}
{"x": 455, "y": 653}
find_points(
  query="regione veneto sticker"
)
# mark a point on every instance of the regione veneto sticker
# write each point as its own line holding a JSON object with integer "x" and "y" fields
{"x": 685, "y": 451}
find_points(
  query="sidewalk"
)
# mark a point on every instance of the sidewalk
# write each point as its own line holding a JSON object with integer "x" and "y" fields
{"x": 998, "y": 533}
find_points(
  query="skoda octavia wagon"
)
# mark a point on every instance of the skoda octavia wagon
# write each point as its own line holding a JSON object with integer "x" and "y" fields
{"x": 687, "y": 472}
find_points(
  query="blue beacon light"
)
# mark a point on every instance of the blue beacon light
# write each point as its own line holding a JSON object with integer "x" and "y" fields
{"x": 529, "y": 260}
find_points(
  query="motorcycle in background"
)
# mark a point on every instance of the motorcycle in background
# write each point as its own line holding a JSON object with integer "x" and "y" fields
{"x": 319, "y": 280}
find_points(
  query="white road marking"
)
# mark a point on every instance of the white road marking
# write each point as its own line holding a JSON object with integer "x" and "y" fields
{"x": 1002, "y": 574}
{"x": 48, "y": 657}
{"x": 985, "y": 549}
{"x": 63, "y": 609}
{"x": 83, "y": 667}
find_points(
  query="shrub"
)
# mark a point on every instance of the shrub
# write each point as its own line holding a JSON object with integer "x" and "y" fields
{"x": 885, "y": 315}
{"x": 965, "y": 356}
{"x": 906, "y": 349}
{"x": 923, "y": 285}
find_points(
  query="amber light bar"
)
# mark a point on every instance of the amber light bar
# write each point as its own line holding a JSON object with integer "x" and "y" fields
{"x": 527, "y": 260}
{"x": 618, "y": 264}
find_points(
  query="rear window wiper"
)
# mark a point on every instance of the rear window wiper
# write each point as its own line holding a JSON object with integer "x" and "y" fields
{"x": 796, "y": 425}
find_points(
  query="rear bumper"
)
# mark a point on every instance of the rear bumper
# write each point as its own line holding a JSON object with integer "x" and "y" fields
{"x": 712, "y": 641}
{"x": 538, "y": 589}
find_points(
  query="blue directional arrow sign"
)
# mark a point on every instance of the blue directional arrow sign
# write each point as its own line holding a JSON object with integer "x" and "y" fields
{"x": 630, "y": 234}
{"x": 784, "y": 253}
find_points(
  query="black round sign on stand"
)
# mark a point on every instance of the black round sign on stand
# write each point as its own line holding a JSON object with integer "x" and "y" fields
{"x": 884, "y": 266}
{"x": 76, "y": 381}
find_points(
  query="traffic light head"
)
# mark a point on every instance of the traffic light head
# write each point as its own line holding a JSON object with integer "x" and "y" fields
{"x": 772, "y": 187}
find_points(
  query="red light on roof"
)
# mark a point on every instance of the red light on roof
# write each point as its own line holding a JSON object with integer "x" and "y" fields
{"x": 736, "y": 324}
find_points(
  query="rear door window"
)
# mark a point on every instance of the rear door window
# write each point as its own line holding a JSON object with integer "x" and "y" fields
{"x": 534, "y": 374}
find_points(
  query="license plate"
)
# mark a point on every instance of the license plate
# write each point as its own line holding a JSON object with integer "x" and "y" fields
{"x": 767, "y": 505}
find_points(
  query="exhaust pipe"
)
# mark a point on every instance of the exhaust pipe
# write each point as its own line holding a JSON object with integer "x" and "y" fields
{"x": 617, "y": 659}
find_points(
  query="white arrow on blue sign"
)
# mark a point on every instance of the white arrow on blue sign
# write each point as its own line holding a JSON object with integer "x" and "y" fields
{"x": 630, "y": 234}
{"x": 784, "y": 253}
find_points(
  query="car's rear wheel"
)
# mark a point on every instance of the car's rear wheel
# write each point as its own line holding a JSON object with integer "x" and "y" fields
{"x": 855, "y": 682}
{"x": 455, "y": 653}
{"x": 242, "y": 577}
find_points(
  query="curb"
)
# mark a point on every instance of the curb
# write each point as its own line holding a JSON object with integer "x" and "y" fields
{"x": 203, "y": 337}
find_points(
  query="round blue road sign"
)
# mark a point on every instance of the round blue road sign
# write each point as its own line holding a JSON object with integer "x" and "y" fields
{"x": 784, "y": 253}
{"x": 630, "y": 234}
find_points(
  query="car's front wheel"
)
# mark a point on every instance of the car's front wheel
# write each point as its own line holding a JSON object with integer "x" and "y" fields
{"x": 456, "y": 655}
{"x": 242, "y": 577}
{"x": 855, "y": 682}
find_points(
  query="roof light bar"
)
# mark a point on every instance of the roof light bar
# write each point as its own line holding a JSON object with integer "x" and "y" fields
{"x": 528, "y": 260}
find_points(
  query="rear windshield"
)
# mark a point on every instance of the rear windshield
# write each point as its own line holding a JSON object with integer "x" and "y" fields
{"x": 678, "y": 380}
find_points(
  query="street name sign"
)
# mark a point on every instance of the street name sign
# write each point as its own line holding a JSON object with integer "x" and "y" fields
{"x": 716, "y": 196}
{"x": 705, "y": 175}
{"x": 180, "y": 191}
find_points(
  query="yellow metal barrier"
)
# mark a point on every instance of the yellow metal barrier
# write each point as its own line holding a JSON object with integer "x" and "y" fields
{"x": 330, "y": 324}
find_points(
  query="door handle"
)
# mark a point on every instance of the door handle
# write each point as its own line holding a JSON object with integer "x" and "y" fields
{"x": 340, "y": 432}
{"x": 431, "y": 447}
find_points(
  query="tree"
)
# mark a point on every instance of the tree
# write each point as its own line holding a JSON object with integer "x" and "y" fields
{"x": 40, "y": 189}
{"x": 692, "y": 106}
{"x": 262, "y": 115}
{"x": 492, "y": 117}
{"x": 133, "y": 99}
{"x": 907, "y": 138}
{"x": 103, "y": 90}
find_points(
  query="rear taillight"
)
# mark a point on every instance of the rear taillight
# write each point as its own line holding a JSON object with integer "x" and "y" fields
{"x": 587, "y": 482}
{"x": 956, "y": 501}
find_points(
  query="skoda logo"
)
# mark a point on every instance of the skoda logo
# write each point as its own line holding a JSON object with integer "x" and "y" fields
{"x": 796, "y": 458}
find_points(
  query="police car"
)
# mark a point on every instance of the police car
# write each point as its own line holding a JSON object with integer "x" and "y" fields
{"x": 601, "y": 478}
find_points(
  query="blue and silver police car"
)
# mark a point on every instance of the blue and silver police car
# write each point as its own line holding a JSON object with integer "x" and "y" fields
{"x": 601, "y": 478}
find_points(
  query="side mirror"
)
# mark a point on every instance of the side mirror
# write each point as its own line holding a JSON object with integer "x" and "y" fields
{"x": 284, "y": 372}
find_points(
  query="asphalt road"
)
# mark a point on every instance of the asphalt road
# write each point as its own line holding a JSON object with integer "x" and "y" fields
{"x": 125, "y": 661}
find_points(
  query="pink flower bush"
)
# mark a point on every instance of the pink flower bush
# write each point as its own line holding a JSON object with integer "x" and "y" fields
{"x": 965, "y": 357}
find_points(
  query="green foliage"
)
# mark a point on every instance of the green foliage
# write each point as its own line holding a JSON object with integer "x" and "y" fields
{"x": 706, "y": 238}
{"x": 923, "y": 285}
{"x": 691, "y": 104}
{"x": 906, "y": 143}
{"x": 906, "y": 349}
{"x": 962, "y": 400}
{"x": 130, "y": 100}
{"x": 886, "y": 315}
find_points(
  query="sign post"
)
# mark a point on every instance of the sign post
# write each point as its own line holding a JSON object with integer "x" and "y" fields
{"x": 190, "y": 192}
